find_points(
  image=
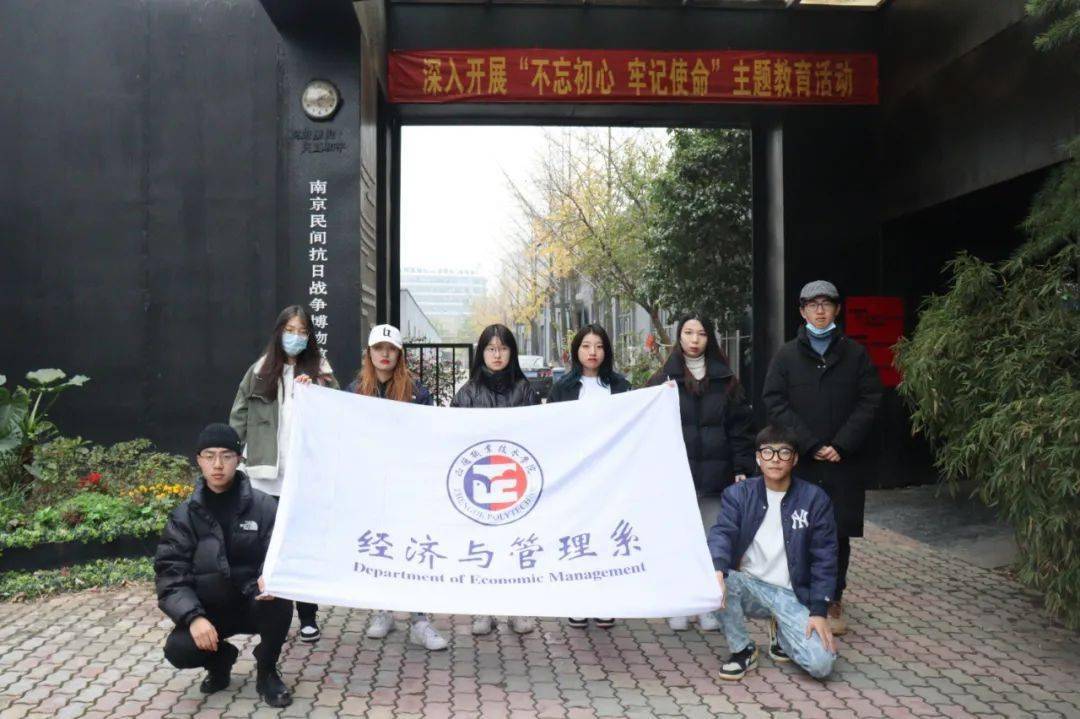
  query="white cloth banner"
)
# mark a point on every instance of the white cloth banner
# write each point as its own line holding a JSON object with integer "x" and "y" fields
{"x": 575, "y": 509}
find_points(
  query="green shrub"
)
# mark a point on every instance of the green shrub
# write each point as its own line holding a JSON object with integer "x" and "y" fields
{"x": 89, "y": 517}
{"x": 62, "y": 463}
{"x": 58, "y": 466}
{"x": 12, "y": 505}
{"x": 992, "y": 374}
{"x": 95, "y": 508}
{"x": 637, "y": 364}
{"x": 46, "y": 518}
{"x": 24, "y": 586}
{"x": 127, "y": 465}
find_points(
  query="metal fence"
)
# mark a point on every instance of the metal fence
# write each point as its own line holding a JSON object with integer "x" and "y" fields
{"x": 441, "y": 367}
{"x": 735, "y": 347}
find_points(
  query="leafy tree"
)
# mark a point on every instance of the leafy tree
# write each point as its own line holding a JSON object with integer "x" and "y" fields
{"x": 700, "y": 236}
{"x": 993, "y": 376}
{"x": 589, "y": 210}
{"x": 485, "y": 310}
{"x": 1064, "y": 16}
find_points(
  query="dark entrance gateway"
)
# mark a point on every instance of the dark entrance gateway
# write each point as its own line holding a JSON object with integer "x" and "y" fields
{"x": 175, "y": 173}
{"x": 659, "y": 65}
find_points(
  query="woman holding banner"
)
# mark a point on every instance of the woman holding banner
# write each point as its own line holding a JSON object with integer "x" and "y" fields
{"x": 384, "y": 374}
{"x": 496, "y": 380}
{"x": 716, "y": 423}
{"x": 591, "y": 376}
{"x": 262, "y": 412}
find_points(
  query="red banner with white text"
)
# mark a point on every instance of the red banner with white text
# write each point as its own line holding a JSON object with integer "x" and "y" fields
{"x": 631, "y": 76}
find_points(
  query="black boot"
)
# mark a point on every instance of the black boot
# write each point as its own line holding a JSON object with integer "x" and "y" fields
{"x": 270, "y": 687}
{"x": 219, "y": 669}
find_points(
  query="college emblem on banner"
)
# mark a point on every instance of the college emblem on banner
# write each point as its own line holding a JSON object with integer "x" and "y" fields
{"x": 495, "y": 482}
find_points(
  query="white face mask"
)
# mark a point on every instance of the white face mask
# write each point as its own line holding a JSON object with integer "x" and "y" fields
{"x": 292, "y": 343}
{"x": 820, "y": 333}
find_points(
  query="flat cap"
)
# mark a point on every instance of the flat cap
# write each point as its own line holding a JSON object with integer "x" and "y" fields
{"x": 818, "y": 288}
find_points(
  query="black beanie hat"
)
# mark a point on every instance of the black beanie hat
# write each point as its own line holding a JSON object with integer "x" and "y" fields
{"x": 218, "y": 435}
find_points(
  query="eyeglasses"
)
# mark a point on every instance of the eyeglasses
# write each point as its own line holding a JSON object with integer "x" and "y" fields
{"x": 493, "y": 350}
{"x": 784, "y": 453}
{"x": 213, "y": 457}
{"x": 820, "y": 305}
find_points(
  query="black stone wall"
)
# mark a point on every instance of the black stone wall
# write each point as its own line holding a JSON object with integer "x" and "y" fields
{"x": 153, "y": 201}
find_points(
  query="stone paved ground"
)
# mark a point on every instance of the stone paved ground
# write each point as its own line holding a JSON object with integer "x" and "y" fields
{"x": 959, "y": 524}
{"x": 932, "y": 636}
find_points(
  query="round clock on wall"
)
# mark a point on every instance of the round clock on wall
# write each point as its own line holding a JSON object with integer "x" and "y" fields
{"x": 320, "y": 100}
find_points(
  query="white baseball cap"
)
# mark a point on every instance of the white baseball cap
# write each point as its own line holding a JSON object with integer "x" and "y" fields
{"x": 385, "y": 333}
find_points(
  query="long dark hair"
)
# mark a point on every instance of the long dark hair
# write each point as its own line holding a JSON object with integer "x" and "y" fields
{"x": 607, "y": 366}
{"x": 308, "y": 362}
{"x": 712, "y": 352}
{"x": 503, "y": 333}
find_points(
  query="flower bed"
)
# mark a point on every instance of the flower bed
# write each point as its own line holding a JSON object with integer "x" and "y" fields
{"x": 67, "y": 503}
{"x": 88, "y": 502}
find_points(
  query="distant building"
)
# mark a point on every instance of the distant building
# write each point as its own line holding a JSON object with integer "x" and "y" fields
{"x": 445, "y": 296}
{"x": 415, "y": 324}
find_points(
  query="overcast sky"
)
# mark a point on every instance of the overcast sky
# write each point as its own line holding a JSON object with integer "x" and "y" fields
{"x": 456, "y": 209}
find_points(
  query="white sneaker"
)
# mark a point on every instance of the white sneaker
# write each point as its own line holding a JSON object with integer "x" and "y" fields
{"x": 309, "y": 633}
{"x": 482, "y": 625}
{"x": 382, "y": 623}
{"x": 678, "y": 624}
{"x": 423, "y": 633}
{"x": 708, "y": 622}
{"x": 522, "y": 625}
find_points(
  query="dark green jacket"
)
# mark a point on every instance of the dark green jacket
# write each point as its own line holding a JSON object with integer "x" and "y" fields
{"x": 255, "y": 419}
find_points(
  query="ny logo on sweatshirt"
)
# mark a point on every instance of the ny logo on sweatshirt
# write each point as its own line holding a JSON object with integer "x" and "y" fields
{"x": 799, "y": 519}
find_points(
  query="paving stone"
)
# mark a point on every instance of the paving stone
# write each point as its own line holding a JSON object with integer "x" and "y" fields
{"x": 930, "y": 636}
{"x": 608, "y": 708}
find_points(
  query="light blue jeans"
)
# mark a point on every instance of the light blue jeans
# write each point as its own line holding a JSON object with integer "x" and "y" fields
{"x": 750, "y": 597}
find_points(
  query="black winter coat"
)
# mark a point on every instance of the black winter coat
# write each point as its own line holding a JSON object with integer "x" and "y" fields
{"x": 421, "y": 394}
{"x": 481, "y": 393}
{"x": 827, "y": 402}
{"x": 568, "y": 388}
{"x": 194, "y": 576}
{"x": 716, "y": 426}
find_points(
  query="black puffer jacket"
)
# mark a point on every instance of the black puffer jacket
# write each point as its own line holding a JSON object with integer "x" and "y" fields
{"x": 495, "y": 389}
{"x": 568, "y": 388}
{"x": 421, "y": 394}
{"x": 194, "y": 576}
{"x": 827, "y": 401}
{"x": 716, "y": 426}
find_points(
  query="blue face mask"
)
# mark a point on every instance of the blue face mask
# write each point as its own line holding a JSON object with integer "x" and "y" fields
{"x": 293, "y": 344}
{"x": 820, "y": 333}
